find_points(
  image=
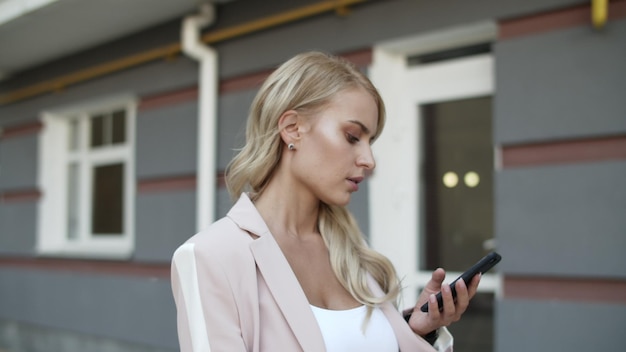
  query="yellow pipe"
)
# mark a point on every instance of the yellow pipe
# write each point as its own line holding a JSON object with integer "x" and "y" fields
{"x": 599, "y": 12}
{"x": 58, "y": 84}
{"x": 171, "y": 50}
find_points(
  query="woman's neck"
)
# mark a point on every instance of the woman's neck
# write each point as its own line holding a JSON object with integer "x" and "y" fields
{"x": 287, "y": 209}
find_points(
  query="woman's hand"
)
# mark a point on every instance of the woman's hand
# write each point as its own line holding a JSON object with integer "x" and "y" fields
{"x": 422, "y": 323}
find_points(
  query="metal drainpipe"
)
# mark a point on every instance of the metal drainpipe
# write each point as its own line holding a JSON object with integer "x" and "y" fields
{"x": 193, "y": 46}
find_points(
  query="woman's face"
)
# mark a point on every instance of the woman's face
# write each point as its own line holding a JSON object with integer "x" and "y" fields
{"x": 335, "y": 152}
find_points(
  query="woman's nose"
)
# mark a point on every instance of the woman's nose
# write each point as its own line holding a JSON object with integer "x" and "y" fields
{"x": 366, "y": 159}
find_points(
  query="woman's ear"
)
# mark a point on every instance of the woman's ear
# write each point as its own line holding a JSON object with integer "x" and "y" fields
{"x": 288, "y": 125}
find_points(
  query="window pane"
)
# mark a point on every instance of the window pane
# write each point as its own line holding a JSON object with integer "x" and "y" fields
{"x": 108, "y": 200}
{"x": 74, "y": 135}
{"x": 72, "y": 201}
{"x": 118, "y": 129}
{"x": 97, "y": 130}
{"x": 458, "y": 174}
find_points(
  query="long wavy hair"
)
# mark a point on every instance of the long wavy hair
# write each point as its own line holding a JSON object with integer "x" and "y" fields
{"x": 307, "y": 83}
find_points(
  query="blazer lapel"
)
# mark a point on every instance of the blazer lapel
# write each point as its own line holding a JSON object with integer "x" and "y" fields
{"x": 278, "y": 276}
{"x": 287, "y": 292}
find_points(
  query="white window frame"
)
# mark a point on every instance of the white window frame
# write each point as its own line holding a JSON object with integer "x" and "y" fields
{"x": 54, "y": 158}
{"x": 396, "y": 197}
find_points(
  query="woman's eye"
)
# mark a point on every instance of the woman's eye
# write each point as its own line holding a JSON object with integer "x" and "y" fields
{"x": 352, "y": 139}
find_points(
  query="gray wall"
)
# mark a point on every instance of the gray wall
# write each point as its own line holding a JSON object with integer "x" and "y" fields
{"x": 551, "y": 86}
{"x": 565, "y": 217}
{"x": 233, "y": 112}
{"x": 19, "y": 163}
{"x": 559, "y": 326}
{"x": 367, "y": 24}
{"x": 128, "y": 308}
{"x": 164, "y": 220}
{"x": 166, "y": 147}
{"x": 167, "y": 141}
{"x": 561, "y": 84}
{"x": 561, "y": 220}
{"x": 18, "y": 336}
{"x": 152, "y": 78}
{"x": 18, "y": 172}
{"x": 17, "y": 228}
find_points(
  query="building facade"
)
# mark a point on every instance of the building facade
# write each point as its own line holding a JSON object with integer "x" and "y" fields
{"x": 506, "y": 131}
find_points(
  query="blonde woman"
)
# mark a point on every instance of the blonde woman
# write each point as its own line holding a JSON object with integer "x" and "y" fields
{"x": 287, "y": 269}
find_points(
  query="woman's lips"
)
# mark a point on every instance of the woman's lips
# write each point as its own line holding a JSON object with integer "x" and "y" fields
{"x": 354, "y": 182}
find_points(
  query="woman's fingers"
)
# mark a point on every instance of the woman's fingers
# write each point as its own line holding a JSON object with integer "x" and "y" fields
{"x": 433, "y": 308}
{"x": 462, "y": 299}
{"x": 453, "y": 308}
{"x": 473, "y": 285}
{"x": 449, "y": 308}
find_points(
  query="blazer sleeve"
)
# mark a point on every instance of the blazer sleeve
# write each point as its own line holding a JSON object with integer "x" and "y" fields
{"x": 445, "y": 341}
{"x": 207, "y": 317}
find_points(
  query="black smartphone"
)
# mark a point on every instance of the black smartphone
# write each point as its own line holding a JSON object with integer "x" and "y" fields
{"x": 486, "y": 263}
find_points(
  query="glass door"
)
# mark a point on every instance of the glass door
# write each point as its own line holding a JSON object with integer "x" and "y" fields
{"x": 431, "y": 193}
{"x": 457, "y": 173}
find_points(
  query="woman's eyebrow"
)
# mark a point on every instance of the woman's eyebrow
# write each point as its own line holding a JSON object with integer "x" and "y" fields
{"x": 363, "y": 127}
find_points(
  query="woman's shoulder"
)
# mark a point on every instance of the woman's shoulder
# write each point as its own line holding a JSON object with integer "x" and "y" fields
{"x": 222, "y": 235}
{"x": 221, "y": 247}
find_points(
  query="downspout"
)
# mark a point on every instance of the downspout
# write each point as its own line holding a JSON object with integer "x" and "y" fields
{"x": 193, "y": 47}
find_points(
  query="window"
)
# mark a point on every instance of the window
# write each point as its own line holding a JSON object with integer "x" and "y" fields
{"x": 87, "y": 179}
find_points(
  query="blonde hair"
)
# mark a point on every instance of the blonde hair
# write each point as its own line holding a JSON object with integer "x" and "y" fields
{"x": 306, "y": 83}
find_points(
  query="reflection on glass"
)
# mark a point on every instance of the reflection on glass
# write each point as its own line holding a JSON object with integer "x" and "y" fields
{"x": 450, "y": 179}
{"x": 471, "y": 179}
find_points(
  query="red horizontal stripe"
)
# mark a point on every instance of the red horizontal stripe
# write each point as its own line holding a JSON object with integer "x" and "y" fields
{"x": 221, "y": 180}
{"x": 244, "y": 82}
{"x": 185, "y": 182}
{"x": 26, "y": 195}
{"x": 169, "y": 98}
{"x": 554, "y": 20}
{"x": 566, "y": 289}
{"x": 360, "y": 58}
{"x": 27, "y": 128}
{"x": 175, "y": 183}
{"x": 89, "y": 266}
{"x": 572, "y": 151}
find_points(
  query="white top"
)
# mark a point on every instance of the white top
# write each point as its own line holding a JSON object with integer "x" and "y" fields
{"x": 343, "y": 330}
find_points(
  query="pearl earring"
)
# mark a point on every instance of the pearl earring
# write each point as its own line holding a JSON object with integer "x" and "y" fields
{"x": 291, "y": 146}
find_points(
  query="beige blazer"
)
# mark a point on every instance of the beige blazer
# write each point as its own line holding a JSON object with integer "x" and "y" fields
{"x": 235, "y": 291}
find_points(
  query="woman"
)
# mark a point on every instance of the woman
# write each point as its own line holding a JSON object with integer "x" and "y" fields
{"x": 287, "y": 268}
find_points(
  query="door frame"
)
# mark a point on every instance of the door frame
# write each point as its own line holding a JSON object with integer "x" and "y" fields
{"x": 396, "y": 194}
